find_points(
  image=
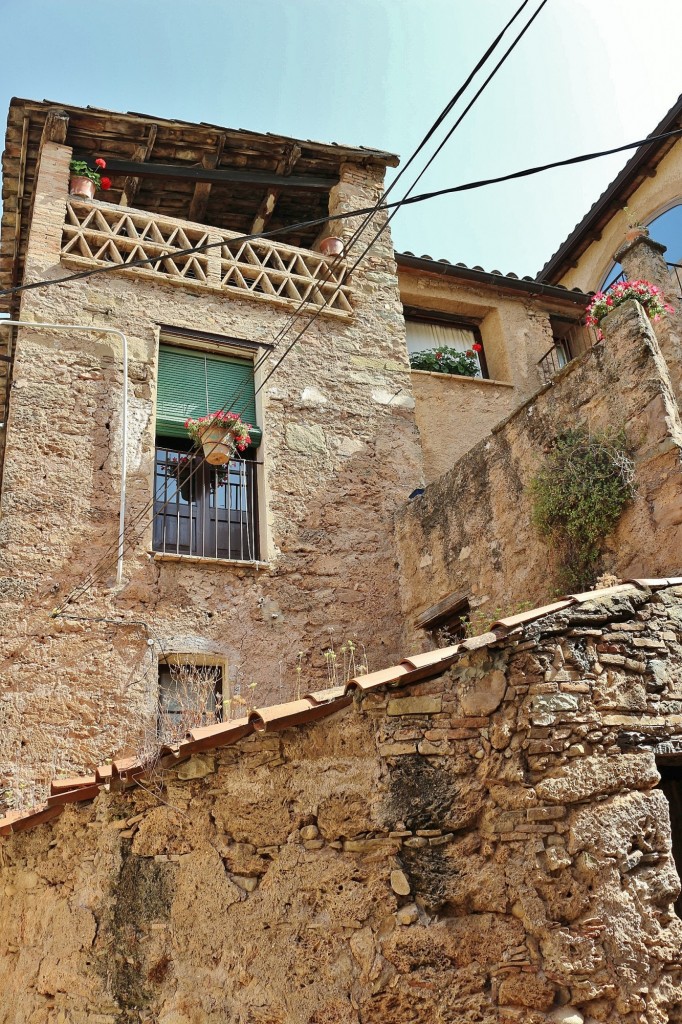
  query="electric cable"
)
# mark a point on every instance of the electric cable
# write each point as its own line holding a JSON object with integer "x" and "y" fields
{"x": 80, "y": 591}
{"x": 420, "y": 198}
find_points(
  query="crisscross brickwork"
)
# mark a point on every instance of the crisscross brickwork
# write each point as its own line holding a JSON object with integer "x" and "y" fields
{"x": 97, "y": 233}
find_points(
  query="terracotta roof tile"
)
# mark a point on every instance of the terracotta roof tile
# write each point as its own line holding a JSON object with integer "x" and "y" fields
{"x": 657, "y": 584}
{"x": 597, "y": 595}
{"x": 74, "y": 796}
{"x": 297, "y": 712}
{"x": 534, "y": 613}
{"x": 208, "y": 737}
{"x": 103, "y": 773}
{"x": 65, "y": 785}
{"x": 380, "y": 678}
{"x": 324, "y": 696}
{"x": 127, "y": 767}
{"x": 27, "y": 819}
{"x": 430, "y": 657}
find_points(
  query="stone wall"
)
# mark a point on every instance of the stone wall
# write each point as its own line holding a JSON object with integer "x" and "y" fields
{"x": 340, "y": 452}
{"x": 453, "y": 413}
{"x": 472, "y": 530}
{"x": 484, "y": 846}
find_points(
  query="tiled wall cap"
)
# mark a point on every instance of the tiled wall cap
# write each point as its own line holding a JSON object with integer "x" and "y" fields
{"x": 26, "y": 820}
{"x": 65, "y": 785}
{"x": 430, "y": 657}
{"x": 381, "y": 678}
{"x": 210, "y": 737}
{"x": 324, "y": 696}
{"x": 534, "y": 613}
{"x": 298, "y": 712}
{"x": 598, "y": 595}
{"x": 74, "y": 796}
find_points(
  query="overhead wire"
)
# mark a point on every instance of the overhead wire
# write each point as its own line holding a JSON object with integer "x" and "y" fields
{"x": 380, "y": 205}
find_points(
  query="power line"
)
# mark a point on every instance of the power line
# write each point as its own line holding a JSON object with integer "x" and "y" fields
{"x": 420, "y": 198}
{"x": 79, "y": 591}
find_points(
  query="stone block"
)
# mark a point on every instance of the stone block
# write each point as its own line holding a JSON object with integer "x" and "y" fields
{"x": 429, "y": 705}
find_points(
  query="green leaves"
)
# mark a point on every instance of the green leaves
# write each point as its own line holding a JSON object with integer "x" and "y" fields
{"x": 578, "y": 496}
{"x": 445, "y": 360}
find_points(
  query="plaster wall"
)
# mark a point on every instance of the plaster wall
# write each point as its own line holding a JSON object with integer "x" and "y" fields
{"x": 654, "y": 196}
{"x": 454, "y": 413}
{"x": 340, "y": 452}
{"x": 486, "y": 847}
{"x": 472, "y": 529}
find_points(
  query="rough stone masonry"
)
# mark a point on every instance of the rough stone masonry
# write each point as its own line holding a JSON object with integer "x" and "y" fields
{"x": 485, "y": 845}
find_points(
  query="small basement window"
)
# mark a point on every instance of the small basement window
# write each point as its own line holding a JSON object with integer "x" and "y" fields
{"x": 190, "y": 696}
{"x": 448, "y": 621}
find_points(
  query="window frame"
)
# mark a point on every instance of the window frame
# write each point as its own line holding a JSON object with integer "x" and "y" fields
{"x": 417, "y": 315}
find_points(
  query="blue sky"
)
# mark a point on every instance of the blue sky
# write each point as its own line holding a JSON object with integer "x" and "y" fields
{"x": 589, "y": 74}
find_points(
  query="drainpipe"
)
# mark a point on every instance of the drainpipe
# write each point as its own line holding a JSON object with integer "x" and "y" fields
{"x": 124, "y": 412}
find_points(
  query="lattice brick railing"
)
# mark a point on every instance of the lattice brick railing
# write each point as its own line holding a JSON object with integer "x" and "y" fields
{"x": 101, "y": 234}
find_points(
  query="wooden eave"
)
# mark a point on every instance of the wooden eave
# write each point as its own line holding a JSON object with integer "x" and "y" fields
{"x": 285, "y": 180}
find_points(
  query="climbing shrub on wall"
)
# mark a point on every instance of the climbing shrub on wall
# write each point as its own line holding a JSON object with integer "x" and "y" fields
{"x": 578, "y": 496}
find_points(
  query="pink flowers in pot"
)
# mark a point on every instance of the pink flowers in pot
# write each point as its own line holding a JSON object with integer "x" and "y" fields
{"x": 649, "y": 295}
{"x": 230, "y": 422}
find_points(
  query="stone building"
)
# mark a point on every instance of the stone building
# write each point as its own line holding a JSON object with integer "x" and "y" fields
{"x": 477, "y": 833}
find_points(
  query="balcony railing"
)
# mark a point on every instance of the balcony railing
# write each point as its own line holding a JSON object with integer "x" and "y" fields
{"x": 205, "y": 511}
{"x": 99, "y": 234}
{"x": 576, "y": 341}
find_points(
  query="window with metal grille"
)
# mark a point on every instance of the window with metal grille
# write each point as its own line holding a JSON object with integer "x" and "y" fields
{"x": 202, "y": 510}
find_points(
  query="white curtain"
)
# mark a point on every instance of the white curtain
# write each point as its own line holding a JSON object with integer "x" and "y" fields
{"x": 426, "y": 336}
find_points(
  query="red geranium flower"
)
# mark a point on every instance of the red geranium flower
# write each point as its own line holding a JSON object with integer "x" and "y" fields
{"x": 105, "y": 183}
{"x": 439, "y": 355}
{"x": 100, "y": 163}
{"x": 477, "y": 347}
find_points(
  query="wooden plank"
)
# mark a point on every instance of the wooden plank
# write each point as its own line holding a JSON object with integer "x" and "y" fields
{"x": 451, "y": 604}
{"x": 221, "y": 176}
{"x": 141, "y": 153}
{"x": 267, "y": 206}
{"x": 19, "y": 200}
{"x": 202, "y": 189}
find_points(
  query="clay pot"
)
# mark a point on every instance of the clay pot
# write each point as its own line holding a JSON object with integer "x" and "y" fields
{"x": 81, "y": 186}
{"x": 218, "y": 443}
{"x": 635, "y": 232}
{"x": 331, "y": 246}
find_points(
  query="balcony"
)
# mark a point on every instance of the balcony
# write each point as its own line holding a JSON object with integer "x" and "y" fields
{"x": 100, "y": 234}
{"x": 203, "y": 511}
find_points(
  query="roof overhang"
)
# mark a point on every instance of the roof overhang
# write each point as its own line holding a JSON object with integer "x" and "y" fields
{"x": 636, "y": 170}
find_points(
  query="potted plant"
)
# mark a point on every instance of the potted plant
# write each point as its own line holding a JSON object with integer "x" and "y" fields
{"x": 647, "y": 294}
{"x": 181, "y": 470}
{"x": 635, "y": 228}
{"x": 85, "y": 181}
{"x": 220, "y": 434}
{"x": 447, "y": 360}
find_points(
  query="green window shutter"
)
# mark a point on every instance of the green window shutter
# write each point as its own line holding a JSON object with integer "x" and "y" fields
{"x": 193, "y": 384}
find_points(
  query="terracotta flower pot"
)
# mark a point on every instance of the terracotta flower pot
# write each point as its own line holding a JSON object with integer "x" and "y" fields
{"x": 218, "y": 443}
{"x": 81, "y": 186}
{"x": 331, "y": 246}
{"x": 633, "y": 233}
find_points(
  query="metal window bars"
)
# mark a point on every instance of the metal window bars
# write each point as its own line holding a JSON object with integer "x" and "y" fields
{"x": 205, "y": 511}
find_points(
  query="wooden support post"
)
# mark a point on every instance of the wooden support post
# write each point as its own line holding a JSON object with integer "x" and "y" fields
{"x": 140, "y": 154}
{"x": 202, "y": 189}
{"x": 267, "y": 206}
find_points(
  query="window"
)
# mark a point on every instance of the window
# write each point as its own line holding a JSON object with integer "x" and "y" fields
{"x": 667, "y": 229}
{"x": 448, "y": 621}
{"x": 428, "y": 329}
{"x": 190, "y": 696}
{"x": 201, "y": 510}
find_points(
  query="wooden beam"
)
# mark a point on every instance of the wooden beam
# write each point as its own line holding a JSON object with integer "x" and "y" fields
{"x": 55, "y": 127}
{"x": 202, "y": 189}
{"x": 269, "y": 202}
{"x": 222, "y": 176}
{"x": 141, "y": 153}
{"x": 450, "y": 605}
{"x": 20, "y": 199}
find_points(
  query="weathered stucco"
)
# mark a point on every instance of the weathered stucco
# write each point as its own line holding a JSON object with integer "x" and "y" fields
{"x": 472, "y": 530}
{"x": 453, "y": 413}
{"x": 76, "y": 690}
{"x": 484, "y": 846}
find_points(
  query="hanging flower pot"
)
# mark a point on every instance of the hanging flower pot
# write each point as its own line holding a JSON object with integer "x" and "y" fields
{"x": 182, "y": 471}
{"x": 220, "y": 434}
{"x": 331, "y": 246}
{"x": 85, "y": 181}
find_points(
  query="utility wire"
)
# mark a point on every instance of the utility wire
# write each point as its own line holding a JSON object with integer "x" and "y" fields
{"x": 420, "y": 198}
{"x": 79, "y": 591}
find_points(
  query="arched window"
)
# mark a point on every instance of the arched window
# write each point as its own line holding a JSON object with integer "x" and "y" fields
{"x": 667, "y": 229}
